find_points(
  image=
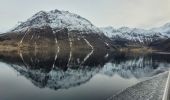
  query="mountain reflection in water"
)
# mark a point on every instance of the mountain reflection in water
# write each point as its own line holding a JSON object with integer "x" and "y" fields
{"x": 62, "y": 70}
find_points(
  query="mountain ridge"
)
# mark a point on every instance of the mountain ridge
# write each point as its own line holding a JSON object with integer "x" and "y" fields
{"x": 137, "y": 35}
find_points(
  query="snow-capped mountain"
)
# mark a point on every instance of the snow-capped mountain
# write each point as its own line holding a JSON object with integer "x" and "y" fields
{"x": 136, "y": 35}
{"x": 58, "y": 19}
{"x": 61, "y": 28}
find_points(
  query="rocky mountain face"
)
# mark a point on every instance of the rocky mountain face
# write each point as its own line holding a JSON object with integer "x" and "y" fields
{"x": 134, "y": 36}
{"x": 60, "y": 29}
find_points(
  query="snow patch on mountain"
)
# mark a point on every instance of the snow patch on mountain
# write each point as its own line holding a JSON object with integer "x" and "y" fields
{"x": 58, "y": 19}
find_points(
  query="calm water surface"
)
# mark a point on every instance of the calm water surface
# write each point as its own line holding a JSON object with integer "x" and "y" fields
{"x": 26, "y": 76}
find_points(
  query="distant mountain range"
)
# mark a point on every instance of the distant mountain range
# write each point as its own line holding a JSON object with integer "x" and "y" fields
{"x": 136, "y": 35}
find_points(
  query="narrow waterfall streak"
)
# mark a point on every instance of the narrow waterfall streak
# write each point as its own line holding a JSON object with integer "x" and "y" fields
{"x": 21, "y": 56}
{"x": 106, "y": 43}
{"x": 35, "y": 48}
{"x": 55, "y": 58}
{"x": 70, "y": 56}
{"x": 58, "y": 48}
{"x": 89, "y": 54}
{"x": 56, "y": 41}
{"x": 70, "y": 41}
{"x": 106, "y": 55}
{"x": 32, "y": 37}
{"x": 78, "y": 60}
{"x": 24, "y": 36}
{"x": 88, "y": 43}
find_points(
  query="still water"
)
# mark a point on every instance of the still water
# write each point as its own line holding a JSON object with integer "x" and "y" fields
{"x": 51, "y": 76}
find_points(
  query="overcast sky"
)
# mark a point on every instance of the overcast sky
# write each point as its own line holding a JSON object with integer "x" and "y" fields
{"x": 117, "y": 13}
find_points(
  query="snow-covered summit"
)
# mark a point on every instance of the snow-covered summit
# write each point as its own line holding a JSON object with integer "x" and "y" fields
{"x": 58, "y": 19}
{"x": 137, "y": 34}
{"x": 110, "y": 31}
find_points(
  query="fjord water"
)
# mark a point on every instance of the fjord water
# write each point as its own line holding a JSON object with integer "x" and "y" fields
{"x": 81, "y": 76}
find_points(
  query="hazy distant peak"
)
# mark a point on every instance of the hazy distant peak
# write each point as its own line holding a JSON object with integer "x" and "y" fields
{"x": 165, "y": 29}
